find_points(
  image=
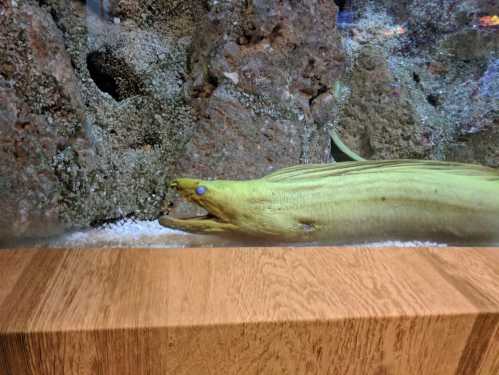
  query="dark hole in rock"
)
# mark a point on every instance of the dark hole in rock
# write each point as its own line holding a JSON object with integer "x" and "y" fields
{"x": 463, "y": 138}
{"x": 341, "y": 4}
{"x": 433, "y": 99}
{"x": 345, "y": 15}
{"x": 212, "y": 80}
{"x": 248, "y": 38}
{"x": 250, "y": 34}
{"x": 321, "y": 90}
{"x": 276, "y": 33}
{"x": 96, "y": 64}
{"x": 113, "y": 75}
{"x": 206, "y": 5}
{"x": 416, "y": 78}
{"x": 152, "y": 139}
{"x": 206, "y": 89}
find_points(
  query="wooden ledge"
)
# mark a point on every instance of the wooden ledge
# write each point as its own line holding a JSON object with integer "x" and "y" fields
{"x": 250, "y": 311}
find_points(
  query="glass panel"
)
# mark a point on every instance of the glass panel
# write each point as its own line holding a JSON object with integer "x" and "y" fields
{"x": 105, "y": 104}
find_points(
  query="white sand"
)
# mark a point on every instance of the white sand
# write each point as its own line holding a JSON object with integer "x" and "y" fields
{"x": 131, "y": 233}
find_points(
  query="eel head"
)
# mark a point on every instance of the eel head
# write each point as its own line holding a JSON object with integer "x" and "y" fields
{"x": 216, "y": 197}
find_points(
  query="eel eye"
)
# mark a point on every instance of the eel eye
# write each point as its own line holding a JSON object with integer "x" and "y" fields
{"x": 200, "y": 190}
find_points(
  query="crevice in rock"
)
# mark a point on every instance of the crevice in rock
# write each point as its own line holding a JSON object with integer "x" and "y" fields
{"x": 275, "y": 33}
{"x": 100, "y": 222}
{"x": 433, "y": 99}
{"x": 149, "y": 139}
{"x": 250, "y": 35}
{"x": 321, "y": 90}
{"x": 246, "y": 39}
{"x": 212, "y": 80}
{"x": 341, "y": 4}
{"x": 113, "y": 75}
{"x": 206, "y": 89}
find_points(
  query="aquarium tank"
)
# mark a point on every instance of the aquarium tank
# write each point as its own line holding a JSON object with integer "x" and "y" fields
{"x": 168, "y": 123}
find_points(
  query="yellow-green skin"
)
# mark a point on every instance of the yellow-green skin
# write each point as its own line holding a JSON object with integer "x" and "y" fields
{"x": 352, "y": 202}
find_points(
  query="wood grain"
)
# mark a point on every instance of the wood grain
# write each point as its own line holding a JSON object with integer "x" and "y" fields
{"x": 250, "y": 311}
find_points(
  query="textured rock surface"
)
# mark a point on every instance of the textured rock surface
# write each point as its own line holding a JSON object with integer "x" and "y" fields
{"x": 378, "y": 120}
{"x": 99, "y": 110}
{"x": 41, "y": 112}
{"x": 480, "y": 147}
{"x": 257, "y": 69}
{"x": 440, "y": 61}
{"x": 232, "y": 141}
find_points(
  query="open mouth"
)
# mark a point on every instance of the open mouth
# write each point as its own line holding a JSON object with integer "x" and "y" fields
{"x": 187, "y": 209}
{"x": 207, "y": 216}
{"x": 194, "y": 213}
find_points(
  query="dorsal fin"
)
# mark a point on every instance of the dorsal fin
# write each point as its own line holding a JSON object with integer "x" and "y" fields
{"x": 309, "y": 171}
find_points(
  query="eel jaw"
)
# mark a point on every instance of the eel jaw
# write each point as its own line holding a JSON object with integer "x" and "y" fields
{"x": 202, "y": 224}
{"x": 211, "y": 223}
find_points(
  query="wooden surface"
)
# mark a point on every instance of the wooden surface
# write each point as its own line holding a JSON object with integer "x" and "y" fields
{"x": 250, "y": 311}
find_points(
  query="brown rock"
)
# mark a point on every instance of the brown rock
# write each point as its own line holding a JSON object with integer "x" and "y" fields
{"x": 29, "y": 199}
{"x": 290, "y": 48}
{"x": 282, "y": 53}
{"x": 232, "y": 141}
{"x": 481, "y": 147}
{"x": 38, "y": 94}
{"x": 378, "y": 120}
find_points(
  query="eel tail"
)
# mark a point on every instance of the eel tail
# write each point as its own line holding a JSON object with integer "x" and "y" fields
{"x": 340, "y": 151}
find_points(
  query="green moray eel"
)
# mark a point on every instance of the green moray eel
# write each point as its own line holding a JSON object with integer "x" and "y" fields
{"x": 351, "y": 202}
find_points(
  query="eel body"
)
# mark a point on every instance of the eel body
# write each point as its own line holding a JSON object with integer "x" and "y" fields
{"x": 351, "y": 202}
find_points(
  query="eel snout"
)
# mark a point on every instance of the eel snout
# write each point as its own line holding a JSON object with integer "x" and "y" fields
{"x": 197, "y": 192}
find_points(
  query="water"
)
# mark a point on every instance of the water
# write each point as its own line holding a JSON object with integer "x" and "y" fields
{"x": 104, "y": 103}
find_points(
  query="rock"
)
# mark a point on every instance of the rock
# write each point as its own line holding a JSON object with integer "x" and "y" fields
{"x": 288, "y": 51}
{"x": 137, "y": 120}
{"x": 169, "y": 17}
{"x": 489, "y": 82}
{"x": 378, "y": 121}
{"x": 429, "y": 21}
{"x": 234, "y": 140}
{"x": 29, "y": 199}
{"x": 442, "y": 61}
{"x": 469, "y": 44}
{"x": 257, "y": 68}
{"x": 41, "y": 111}
{"x": 241, "y": 136}
{"x": 74, "y": 154}
{"x": 480, "y": 147}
